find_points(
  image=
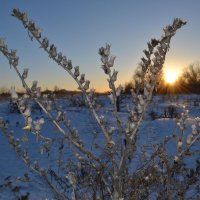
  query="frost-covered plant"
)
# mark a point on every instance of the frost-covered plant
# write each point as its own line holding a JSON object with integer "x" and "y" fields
{"x": 105, "y": 169}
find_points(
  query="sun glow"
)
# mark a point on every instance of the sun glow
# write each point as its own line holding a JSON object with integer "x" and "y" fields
{"x": 171, "y": 76}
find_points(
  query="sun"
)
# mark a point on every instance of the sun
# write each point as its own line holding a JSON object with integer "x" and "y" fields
{"x": 170, "y": 76}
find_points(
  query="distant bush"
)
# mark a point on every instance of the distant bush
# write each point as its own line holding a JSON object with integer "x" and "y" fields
{"x": 13, "y": 107}
{"x": 170, "y": 112}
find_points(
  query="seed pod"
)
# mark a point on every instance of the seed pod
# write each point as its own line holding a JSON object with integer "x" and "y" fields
{"x": 107, "y": 50}
{"x": 69, "y": 64}
{"x": 111, "y": 130}
{"x": 34, "y": 86}
{"x": 189, "y": 139}
{"x": 22, "y": 107}
{"x": 36, "y": 165}
{"x": 110, "y": 63}
{"x": 104, "y": 59}
{"x": 114, "y": 76}
{"x": 101, "y": 118}
{"x": 27, "y": 112}
{"x": 133, "y": 116}
{"x": 2, "y": 43}
{"x": 147, "y": 54}
{"x": 150, "y": 47}
{"x": 15, "y": 61}
{"x": 53, "y": 51}
{"x": 13, "y": 54}
{"x": 153, "y": 69}
{"x": 31, "y": 26}
{"x": 45, "y": 43}
{"x": 25, "y": 73}
{"x": 14, "y": 95}
{"x": 5, "y": 49}
{"x": 145, "y": 61}
{"x": 64, "y": 61}
{"x": 164, "y": 46}
{"x": 27, "y": 127}
{"x": 59, "y": 58}
{"x": 139, "y": 109}
{"x": 194, "y": 129}
{"x": 37, "y": 126}
{"x": 49, "y": 106}
{"x": 176, "y": 159}
{"x": 169, "y": 31}
{"x": 141, "y": 100}
{"x": 37, "y": 32}
{"x": 59, "y": 116}
{"x": 179, "y": 145}
{"x": 72, "y": 178}
{"x": 24, "y": 17}
{"x": 41, "y": 121}
{"x": 87, "y": 85}
{"x": 101, "y": 51}
{"x": 38, "y": 92}
{"x": 106, "y": 69}
{"x": 82, "y": 79}
{"x": 154, "y": 42}
{"x": 178, "y": 23}
{"x": 131, "y": 125}
{"x": 161, "y": 51}
{"x": 76, "y": 72}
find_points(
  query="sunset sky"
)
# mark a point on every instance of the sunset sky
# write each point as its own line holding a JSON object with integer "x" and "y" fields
{"x": 79, "y": 27}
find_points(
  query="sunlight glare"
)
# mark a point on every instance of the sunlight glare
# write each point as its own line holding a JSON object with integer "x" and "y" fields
{"x": 171, "y": 76}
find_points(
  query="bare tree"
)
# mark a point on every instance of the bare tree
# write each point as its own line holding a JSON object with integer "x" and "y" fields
{"x": 189, "y": 81}
{"x": 191, "y": 74}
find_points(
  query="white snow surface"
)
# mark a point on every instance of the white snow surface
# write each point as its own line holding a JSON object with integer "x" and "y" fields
{"x": 150, "y": 132}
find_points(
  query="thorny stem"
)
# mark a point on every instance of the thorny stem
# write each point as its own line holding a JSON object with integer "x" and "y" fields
{"x": 27, "y": 90}
{"x": 124, "y": 156}
{"x": 77, "y": 145}
{"x": 43, "y": 175}
{"x": 108, "y": 62}
{"x": 169, "y": 33}
{"x": 119, "y": 122}
{"x": 91, "y": 108}
{"x": 153, "y": 156}
{"x": 142, "y": 115}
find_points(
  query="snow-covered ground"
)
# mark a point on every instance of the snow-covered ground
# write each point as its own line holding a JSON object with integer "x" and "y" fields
{"x": 151, "y": 131}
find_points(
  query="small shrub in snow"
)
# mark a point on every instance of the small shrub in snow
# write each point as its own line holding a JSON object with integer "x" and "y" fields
{"x": 153, "y": 115}
{"x": 103, "y": 169}
{"x": 170, "y": 112}
{"x": 12, "y": 107}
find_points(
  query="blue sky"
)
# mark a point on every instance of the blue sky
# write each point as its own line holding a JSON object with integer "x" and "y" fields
{"x": 79, "y": 27}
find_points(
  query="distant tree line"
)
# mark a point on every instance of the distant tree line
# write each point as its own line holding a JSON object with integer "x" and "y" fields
{"x": 59, "y": 92}
{"x": 187, "y": 83}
